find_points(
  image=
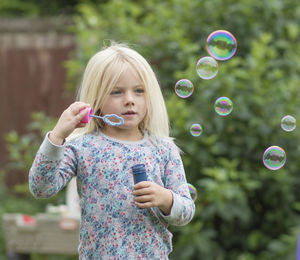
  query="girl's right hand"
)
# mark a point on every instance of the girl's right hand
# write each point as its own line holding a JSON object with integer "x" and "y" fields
{"x": 68, "y": 121}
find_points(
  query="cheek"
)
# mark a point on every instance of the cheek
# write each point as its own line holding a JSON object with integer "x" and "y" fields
{"x": 111, "y": 104}
{"x": 144, "y": 107}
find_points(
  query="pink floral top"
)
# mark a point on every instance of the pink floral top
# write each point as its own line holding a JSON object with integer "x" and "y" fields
{"x": 112, "y": 226}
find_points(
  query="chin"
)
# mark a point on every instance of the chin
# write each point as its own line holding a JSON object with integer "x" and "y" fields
{"x": 129, "y": 127}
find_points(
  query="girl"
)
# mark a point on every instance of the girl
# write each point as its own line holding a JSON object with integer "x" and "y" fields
{"x": 119, "y": 220}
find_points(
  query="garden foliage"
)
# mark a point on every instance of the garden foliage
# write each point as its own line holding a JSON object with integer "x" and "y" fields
{"x": 244, "y": 211}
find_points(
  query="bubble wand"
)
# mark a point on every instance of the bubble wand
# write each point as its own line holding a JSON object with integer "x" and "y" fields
{"x": 106, "y": 118}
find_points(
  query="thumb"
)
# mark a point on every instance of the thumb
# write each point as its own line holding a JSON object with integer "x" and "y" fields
{"x": 84, "y": 115}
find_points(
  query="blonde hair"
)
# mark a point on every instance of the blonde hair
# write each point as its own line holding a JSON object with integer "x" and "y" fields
{"x": 100, "y": 78}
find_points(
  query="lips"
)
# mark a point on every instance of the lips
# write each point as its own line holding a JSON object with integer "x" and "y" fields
{"x": 129, "y": 112}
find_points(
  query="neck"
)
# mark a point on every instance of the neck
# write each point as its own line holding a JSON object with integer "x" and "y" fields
{"x": 123, "y": 134}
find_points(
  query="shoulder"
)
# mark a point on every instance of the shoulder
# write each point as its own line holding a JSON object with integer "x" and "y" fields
{"x": 165, "y": 144}
{"x": 82, "y": 140}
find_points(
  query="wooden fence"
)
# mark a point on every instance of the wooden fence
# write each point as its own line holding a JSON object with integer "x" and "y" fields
{"x": 32, "y": 76}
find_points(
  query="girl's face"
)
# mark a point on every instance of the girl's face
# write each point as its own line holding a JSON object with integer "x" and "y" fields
{"x": 127, "y": 99}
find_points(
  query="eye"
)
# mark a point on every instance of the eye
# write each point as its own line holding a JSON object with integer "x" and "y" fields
{"x": 139, "y": 90}
{"x": 115, "y": 92}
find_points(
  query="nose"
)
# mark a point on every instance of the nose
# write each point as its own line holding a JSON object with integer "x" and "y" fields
{"x": 128, "y": 98}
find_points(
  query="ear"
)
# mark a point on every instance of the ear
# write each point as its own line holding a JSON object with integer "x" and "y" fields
{"x": 99, "y": 123}
{"x": 98, "y": 112}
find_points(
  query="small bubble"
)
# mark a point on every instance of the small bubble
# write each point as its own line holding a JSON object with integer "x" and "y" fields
{"x": 207, "y": 67}
{"x": 274, "y": 157}
{"x": 223, "y": 106}
{"x": 193, "y": 191}
{"x": 196, "y": 130}
{"x": 288, "y": 123}
{"x": 184, "y": 88}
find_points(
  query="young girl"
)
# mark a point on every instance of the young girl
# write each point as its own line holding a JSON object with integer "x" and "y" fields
{"x": 119, "y": 220}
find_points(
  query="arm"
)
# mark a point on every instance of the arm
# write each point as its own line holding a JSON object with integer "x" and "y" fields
{"x": 55, "y": 164}
{"x": 183, "y": 208}
{"x": 174, "y": 202}
{"x": 52, "y": 169}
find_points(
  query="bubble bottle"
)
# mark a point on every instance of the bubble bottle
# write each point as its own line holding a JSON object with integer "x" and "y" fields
{"x": 139, "y": 173}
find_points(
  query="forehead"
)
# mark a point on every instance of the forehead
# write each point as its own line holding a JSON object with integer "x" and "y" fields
{"x": 129, "y": 77}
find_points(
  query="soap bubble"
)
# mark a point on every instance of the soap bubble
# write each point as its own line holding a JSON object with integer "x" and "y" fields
{"x": 288, "y": 123}
{"x": 193, "y": 191}
{"x": 184, "y": 88}
{"x": 196, "y": 130}
{"x": 207, "y": 67}
{"x": 274, "y": 157}
{"x": 223, "y": 106}
{"x": 221, "y": 45}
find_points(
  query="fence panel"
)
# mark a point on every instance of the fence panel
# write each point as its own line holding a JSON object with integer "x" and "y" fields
{"x": 32, "y": 76}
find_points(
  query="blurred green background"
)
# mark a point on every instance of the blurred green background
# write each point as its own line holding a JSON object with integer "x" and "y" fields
{"x": 244, "y": 211}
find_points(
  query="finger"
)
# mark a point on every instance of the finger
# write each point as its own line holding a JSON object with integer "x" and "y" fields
{"x": 144, "y": 205}
{"x": 143, "y": 199}
{"x": 142, "y": 191}
{"x": 80, "y": 125}
{"x": 79, "y": 104}
{"x": 81, "y": 114}
{"x": 84, "y": 111}
{"x": 77, "y": 107}
{"x": 142, "y": 184}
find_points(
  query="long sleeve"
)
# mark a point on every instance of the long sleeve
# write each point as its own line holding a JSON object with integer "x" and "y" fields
{"x": 52, "y": 169}
{"x": 183, "y": 208}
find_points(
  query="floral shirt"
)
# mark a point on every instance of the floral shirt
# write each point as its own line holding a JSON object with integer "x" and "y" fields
{"x": 112, "y": 226}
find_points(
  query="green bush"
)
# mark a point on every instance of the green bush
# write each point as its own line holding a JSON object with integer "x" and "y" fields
{"x": 22, "y": 150}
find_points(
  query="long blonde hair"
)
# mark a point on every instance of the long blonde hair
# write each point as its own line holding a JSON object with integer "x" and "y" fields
{"x": 100, "y": 78}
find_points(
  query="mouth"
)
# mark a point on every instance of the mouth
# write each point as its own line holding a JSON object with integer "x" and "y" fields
{"x": 129, "y": 113}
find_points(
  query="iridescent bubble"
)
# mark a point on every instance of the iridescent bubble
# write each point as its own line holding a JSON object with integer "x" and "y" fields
{"x": 207, "y": 67}
{"x": 274, "y": 157}
{"x": 196, "y": 130}
{"x": 223, "y": 106}
{"x": 184, "y": 88}
{"x": 221, "y": 45}
{"x": 193, "y": 191}
{"x": 288, "y": 123}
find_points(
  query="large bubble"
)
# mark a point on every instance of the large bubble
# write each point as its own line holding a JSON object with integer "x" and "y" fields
{"x": 221, "y": 45}
{"x": 223, "y": 106}
{"x": 184, "y": 88}
{"x": 288, "y": 123}
{"x": 274, "y": 157}
{"x": 207, "y": 67}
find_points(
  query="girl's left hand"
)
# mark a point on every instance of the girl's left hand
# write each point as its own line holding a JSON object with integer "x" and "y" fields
{"x": 148, "y": 194}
